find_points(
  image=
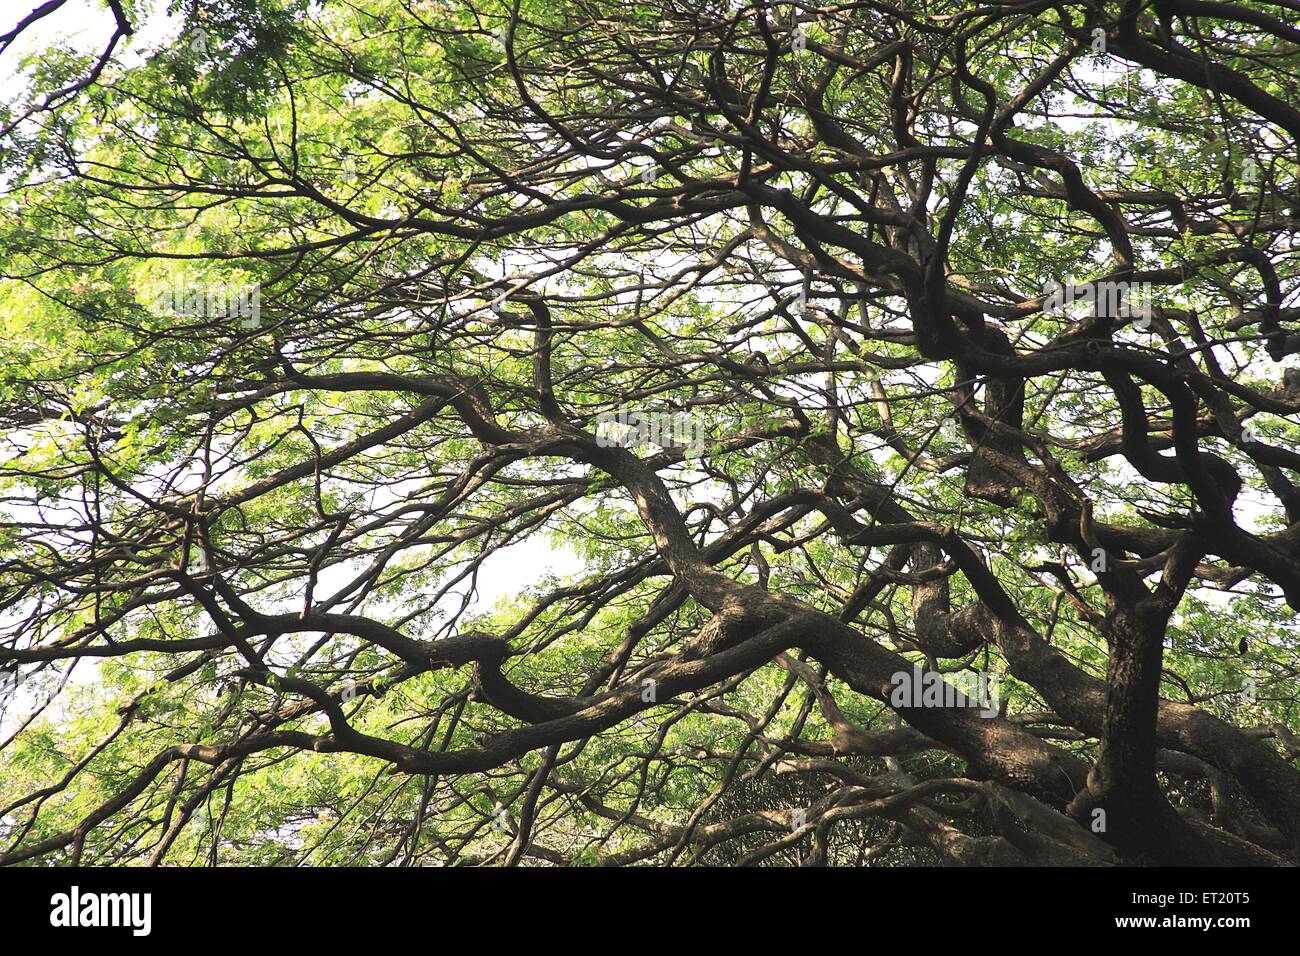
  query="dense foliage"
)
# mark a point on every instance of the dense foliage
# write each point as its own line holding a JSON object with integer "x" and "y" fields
{"x": 551, "y": 432}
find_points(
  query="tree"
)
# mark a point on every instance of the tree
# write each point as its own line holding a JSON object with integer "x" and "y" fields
{"x": 901, "y": 397}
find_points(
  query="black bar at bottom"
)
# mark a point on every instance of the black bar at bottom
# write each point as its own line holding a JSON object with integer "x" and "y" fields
{"x": 342, "y": 907}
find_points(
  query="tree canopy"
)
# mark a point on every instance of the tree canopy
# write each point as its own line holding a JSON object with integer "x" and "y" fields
{"x": 571, "y": 432}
